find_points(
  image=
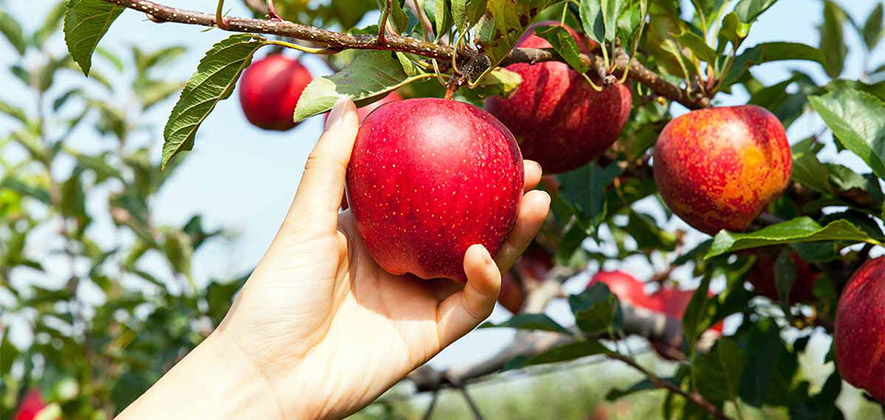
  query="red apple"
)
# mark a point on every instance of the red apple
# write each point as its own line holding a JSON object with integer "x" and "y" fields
{"x": 512, "y": 295}
{"x": 860, "y": 329}
{"x": 269, "y": 91}
{"x": 719, "y": 168}
{"x": 762, "y": 278}
{"x": 31, "y": 405}
{"x": 532, "y": 268}
{"x": 674, "y": 302}
{"x": 558, "y": 118}
{"x": 625, "y": 287}
{"x": 428, "y": 178}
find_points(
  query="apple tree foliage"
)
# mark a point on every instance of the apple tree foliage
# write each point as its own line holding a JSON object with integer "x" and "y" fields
{"x": 92, "y": 357}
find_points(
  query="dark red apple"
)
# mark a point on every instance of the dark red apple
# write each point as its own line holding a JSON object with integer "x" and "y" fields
{"x": 31, "y": 405}
{"x": 269, "y": 91}
{"x": 719, "y": 168}
{"x": 559, "y": 120}
{"x": 762, "y": 277}
{"x": 428, "y": 178}
{"x": 625, "y": 287}
{"x": 512, "y": 295}
{"x": 532, "y": 268}
{"x": 860, "y": 329}
{"x": 674, "y": 302}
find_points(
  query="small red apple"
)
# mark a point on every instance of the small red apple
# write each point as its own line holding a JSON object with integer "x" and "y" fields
{"x": 674, "y": 302}
{"x": 860, "y": 329}
{"x": 269, "y": 91}
{"x": 512, "y": 295}
{"x": 762, "y": 278}
{"x": 719, "y": 168}
{"x": 31, "y": 405}
{"x": 428, "y": 178}
{"x": 558, "y": 118}
{"x": 625, "y": 287}
{"x": 532, "y": 267}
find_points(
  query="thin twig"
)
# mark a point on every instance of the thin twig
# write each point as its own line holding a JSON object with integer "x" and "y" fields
{"x": 693, "y": 398}
{"x": 431, "y": 406}
{"x": 393, "y": 42}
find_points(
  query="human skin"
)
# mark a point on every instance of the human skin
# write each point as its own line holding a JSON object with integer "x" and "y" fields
{"x": 719, "y": 168}
{"x": 557, "y": 117}
{"x": 860, "y": 329}
{"x": 319, "y": 330}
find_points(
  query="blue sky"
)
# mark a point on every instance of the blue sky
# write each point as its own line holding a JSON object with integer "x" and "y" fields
{"x": 243, "y": 178}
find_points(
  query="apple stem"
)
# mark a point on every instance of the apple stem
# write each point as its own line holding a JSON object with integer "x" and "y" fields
{"x": 219, "y": 16}
{"x": 452, "y": 86}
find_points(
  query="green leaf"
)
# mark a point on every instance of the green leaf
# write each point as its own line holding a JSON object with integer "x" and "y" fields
{"x": 697, "y": 316}
{"x": 802, "y": 229}
{"x": 592, "y": 20}
{"x": 12, "y": 30}
{"x": 145, "y": 61}
{"x": 831, "y": 39}
{"x": 872, "y": 29}
{"x": 596, "y": 309}
{"x": 564, "y": 353}
{"x": 531, "y": 322}
{"x": 769, "y": 374}
{"x": 748, "y": 10}
{"x": 467, "y": 12}
{"x": 698, "y": 46}
{"x": 642, "y": 385}
{"x": 648, "y": 235}
{"x": 858, "y": 120}
{"x": 784, "y": 278}
{"x": 396, "y": 15}
{"x": 733, "y": 29}
{"x": 611, "y": 10}
{"x": 584, "y": 188}
{"x": 718, "y": 374}
{"x": 807, "y": 169}
{"x": 213, "y": 82}
{"x": 370, "y": 76}
{"x": 503, "y": 24}
{"x": 768, "y": 52}
{"x": 13, "y": 111}
{"x": 86, "y": 21}
{"x": 563, "y": 43}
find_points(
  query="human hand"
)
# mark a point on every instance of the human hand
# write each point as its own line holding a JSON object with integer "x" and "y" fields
{"x": 321, "y": 326}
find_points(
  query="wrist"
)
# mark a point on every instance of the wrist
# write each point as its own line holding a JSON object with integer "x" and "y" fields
{"x": 214, "y": 381}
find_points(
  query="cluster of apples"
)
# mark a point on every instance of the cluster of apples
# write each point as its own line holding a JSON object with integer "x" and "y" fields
{"x": 429, "y": 177}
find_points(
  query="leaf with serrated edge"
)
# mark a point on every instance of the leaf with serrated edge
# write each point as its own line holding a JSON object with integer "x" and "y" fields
{"x": 86, "y": 21}
{"x": 802, "y": 229}
{"x": 370, "y": 76}
{"x": 214, "y": 81}
{"x": 858, "y": 120}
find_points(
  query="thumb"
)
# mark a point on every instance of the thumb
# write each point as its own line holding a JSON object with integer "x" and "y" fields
{"x": 322, "y": 184}
{"x": 464, "y": 310}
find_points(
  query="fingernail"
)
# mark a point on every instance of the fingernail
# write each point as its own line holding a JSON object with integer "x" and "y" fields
{"x": 336, "y": 113}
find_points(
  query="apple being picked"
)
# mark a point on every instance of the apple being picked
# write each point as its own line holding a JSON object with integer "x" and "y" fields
{"x": 719, "y": 168}
{"x": 559, "y": 119}
{"x": 427, "y": 179}
{"x": 269, "y": 91}
{"x": 860, "y": 329}
{"x": 625, "y": 287}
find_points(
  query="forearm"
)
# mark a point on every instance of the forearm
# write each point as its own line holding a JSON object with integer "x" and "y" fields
{"x": 215, "y": 381}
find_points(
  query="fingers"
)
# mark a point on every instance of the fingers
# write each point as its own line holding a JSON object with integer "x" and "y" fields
{"x": 322, "y": 183}
{"x": 464, "y": 310}
{"x": 532, "y": 174}
{"x": 532, "y": 211}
